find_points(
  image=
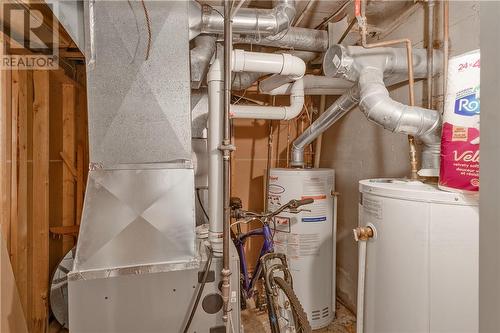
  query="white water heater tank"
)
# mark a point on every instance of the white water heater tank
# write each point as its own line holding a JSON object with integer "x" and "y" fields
{"x": 422, "y": 264}
{"x": 308, "y": 238}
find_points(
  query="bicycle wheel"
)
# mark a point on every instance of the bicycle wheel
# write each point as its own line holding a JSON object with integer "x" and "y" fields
{"x": 288, "y": 311}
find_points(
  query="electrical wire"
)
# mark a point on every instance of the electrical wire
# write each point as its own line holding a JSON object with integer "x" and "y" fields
{"x": 148, "y": 25}
{"x": 200, "y": 290}
{"x": 201, "y": 204}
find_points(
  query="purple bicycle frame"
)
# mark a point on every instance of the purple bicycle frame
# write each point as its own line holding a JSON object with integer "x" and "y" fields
{"x": 267, "y": 247}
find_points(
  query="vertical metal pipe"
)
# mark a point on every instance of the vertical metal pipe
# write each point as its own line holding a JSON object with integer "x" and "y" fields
{"x": 226, "y": 150}
{"x": 317, "y": 148}
{"x": 430, "y": 51}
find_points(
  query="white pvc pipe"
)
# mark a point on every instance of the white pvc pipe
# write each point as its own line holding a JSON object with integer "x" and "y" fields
{"x": 313, "y": 85}
{"x": 273, "y": 112}
{"x": 215, "y": 82}
{"x": 283, "y": 64}
{"x": 291, "y": 67}
{"x": 361, "y": 285}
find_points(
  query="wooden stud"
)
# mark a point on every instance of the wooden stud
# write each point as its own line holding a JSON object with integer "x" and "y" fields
{"x": 80, "y": 185}
{"x": 14, "y": 177}
{"x": 5, "y": 156}
{"x": 22, "y": 190}
{"x": 40, "y": 234}
{"x": 69, "y": 157}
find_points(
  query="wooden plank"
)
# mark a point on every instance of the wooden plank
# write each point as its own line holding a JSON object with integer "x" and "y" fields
{"x": 12, "y": 319}
{"x": 22, "y": 190}
{"x": 69, "y": 157}
{"x": 5, "y": 157}
{"x": 40, "y": 234}
{"x": 80, "y": 185}
{"x": 68, "y": 163}
{"x": 13, "y": 174}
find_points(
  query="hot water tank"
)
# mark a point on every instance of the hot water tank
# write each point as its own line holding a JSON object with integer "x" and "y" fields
{"x": 308, "y": 238}
{"x": 422, "y": 263}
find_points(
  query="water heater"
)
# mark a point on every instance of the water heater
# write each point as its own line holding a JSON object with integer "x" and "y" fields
{"x": 422, "y": 263}
{"x": 308, "y": 238}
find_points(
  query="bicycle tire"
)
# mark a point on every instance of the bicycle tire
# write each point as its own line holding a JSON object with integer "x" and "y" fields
{"x": 301, "y": 323}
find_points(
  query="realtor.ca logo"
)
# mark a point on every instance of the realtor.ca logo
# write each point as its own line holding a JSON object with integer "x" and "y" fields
{"x": 30, "y": 32}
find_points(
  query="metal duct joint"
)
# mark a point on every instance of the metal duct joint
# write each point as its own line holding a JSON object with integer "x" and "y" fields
{"x": 201, "y": 55}
{"x": 380, "y": 108}
{"x": 252, "y": 21}
{"x": 293, "y": 38}
{"x": 348, "y": 61}
{"x": 339, "y": 108}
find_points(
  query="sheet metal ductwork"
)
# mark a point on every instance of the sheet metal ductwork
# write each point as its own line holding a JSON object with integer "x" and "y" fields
{"x": 337, "y": 110}
{"x": 201, "y": 54}
{"x": 374, "y": 69}
{"x": 251, "y": 21}
{"x": 138, "y": 226}
{"x": 295, "y": 38}
{"x": 380, "y": 108}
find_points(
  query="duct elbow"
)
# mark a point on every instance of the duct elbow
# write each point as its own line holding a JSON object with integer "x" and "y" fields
{"x": 284, "y": 11}
{"x": 380, "y": 108}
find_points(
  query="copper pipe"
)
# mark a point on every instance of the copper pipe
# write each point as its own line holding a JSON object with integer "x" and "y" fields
{"x": 446, "y": 37}
{"x": 288, "y": 144}
{"x": 430, "y": 52}
{"x": 363, "y": 233}
{"x": 411, "y": 81}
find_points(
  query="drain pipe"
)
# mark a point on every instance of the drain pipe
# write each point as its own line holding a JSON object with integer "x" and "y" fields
{"x": 215, "y": 79}
{"x": 250, "y": 21}
{"x": 339, "y": 108}
{"x": 361, "y": 236}
{"x": 226, "y": 149}
{"x": 244, "y": 80}
{"x": 283, "y": 64}
{"x": 313, "y": 85}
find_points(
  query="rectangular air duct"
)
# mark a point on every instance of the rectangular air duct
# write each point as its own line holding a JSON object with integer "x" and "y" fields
{"x": 138, "y": 216}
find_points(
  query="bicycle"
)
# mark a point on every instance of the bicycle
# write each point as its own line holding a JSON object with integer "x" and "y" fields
{"x": 285, "y": 312}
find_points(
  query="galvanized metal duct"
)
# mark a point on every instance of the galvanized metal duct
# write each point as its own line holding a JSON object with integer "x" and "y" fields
{"x": 380, "y": 108}
{"x": 339, "y": 108}
{"x": 293, "y": 38}
{"x": 201, "y": 55}
{"x": 252, "y": 21}
{"x": 350, "y": 63}
{"x": 313, "y": 85}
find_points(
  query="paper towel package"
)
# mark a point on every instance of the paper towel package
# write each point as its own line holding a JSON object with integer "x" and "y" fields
{"x": 459, "y": 170}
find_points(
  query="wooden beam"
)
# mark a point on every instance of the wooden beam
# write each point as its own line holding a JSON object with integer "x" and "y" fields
{"x": 22, "y": 190}
{"x": 69, "y": 157}
{"x": 40, "y": 234}
{"x": 80, "y": 185}
{"x": 13, "y": 175}
{"x": 5, "y": 157}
